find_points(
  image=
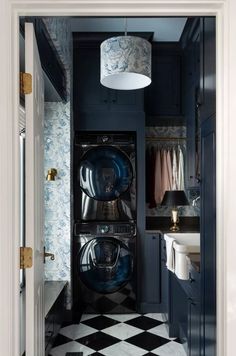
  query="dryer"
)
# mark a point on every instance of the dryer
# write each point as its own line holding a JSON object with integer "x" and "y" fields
{"x": 104, "y": 278}
{"x": 104, "y": 176}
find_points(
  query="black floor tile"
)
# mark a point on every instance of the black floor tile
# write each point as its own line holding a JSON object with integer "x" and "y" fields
{"x": 98, "y": 341}
{"x": 129, "y": 303}
{"x": 74, "y": 354}
{"x": 96, "y": 354}
{"x": 150, "y": 354}
{"x": 60, "y": 340}
{"x": 178, "y": 340}
{"x": 147, "y": 341}
{"x": 143, "y": 322}
{"x": 100, "y": 322}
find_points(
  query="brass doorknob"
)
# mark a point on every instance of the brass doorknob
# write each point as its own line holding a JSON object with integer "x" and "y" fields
{"x": 48, "y": 254}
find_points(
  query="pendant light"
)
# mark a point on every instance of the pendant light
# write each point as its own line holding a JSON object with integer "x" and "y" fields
{"x": 125, "y": 62}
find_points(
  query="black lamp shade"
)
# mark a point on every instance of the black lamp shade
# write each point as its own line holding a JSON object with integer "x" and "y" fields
{"x": 174, "y": 198}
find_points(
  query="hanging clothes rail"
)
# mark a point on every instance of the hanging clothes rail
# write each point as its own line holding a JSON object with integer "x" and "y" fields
{"x": 161, "y": 138}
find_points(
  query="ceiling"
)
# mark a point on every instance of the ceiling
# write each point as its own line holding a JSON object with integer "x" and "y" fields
{"x": 165, "y": 29}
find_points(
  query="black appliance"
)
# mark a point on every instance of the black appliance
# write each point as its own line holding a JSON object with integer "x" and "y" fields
{"x": 104, "y": 267}
{"x": 104, "y": 176}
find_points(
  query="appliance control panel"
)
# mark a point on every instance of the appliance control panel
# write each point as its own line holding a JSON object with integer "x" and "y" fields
{"x": 119, "y": 229}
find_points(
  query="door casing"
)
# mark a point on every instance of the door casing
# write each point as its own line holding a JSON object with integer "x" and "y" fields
{"x": 225, "y": 11}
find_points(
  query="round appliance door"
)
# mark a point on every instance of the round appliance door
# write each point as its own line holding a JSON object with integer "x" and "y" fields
{"x": 105, "y": 265}
{"x": 105, "y": 173}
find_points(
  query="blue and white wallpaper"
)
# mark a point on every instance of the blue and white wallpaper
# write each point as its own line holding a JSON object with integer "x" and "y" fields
{"x": 57, "y": 193}
{"x": 57, "y": 154}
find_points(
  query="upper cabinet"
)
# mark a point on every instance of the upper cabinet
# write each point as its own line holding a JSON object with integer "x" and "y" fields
{"x": 192, "y": 62}
{"x": 89, "y": 94}
{"x": 54, "y": 72}
{"x": 163, "y": 98}
{"x": 208, "y": 69}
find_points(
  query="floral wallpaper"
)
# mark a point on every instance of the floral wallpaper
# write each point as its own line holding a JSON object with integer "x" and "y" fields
{"x": 174, "y": 131}
{"x": 57, "y": 154}
{"x": 57, "y": 193}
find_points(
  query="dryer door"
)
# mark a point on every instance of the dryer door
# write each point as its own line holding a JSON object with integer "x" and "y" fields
{"x": 105, "y": 173}
{"x": 105, "y": 265}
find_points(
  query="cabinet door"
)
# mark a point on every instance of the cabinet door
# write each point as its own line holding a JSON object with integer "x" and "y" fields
{"x": 193, "y": 327}
{"x": 151, "y": 266}
{"x": 126, "y": 100}
{"x": 89, "y": 94}
{"x": 163, "y": 96}
{"x": 191, "y": 87}
{"x": 208, "y": 236}
{"x": 208, "y": 69}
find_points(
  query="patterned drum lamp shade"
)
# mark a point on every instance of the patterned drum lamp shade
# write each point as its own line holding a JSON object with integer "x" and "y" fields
{"x": 125, "y": 63}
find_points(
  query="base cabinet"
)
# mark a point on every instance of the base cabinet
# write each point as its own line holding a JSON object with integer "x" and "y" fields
{"x": 194, "y": 327}
{"x": 185, "y": 312}
{"x": 150, "y": 273}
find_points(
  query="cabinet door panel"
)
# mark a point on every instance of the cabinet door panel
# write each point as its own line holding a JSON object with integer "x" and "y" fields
{"x": 194, "y": 328}
{"x": 151, "y": 269}
{"x": 88, "y": 92}
{"x": 163, "y": 96}
{"x": 208, "y": 236}
{"x": 208, "y": 74}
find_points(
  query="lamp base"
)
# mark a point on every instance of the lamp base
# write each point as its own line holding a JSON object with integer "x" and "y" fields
{"x": 174, "y": 228}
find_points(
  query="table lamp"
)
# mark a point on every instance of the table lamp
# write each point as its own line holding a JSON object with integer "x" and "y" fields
{"x": 174, "y": 198}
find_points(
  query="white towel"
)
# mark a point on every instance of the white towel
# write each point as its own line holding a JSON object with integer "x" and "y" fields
{"x": 170, "y": 253}
{"x": 174, "y": 172}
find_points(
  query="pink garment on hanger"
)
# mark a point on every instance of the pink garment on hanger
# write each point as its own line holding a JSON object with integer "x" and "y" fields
{"x": 158, "y": 181}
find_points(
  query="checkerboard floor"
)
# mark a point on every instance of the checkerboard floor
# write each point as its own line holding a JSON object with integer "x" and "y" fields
{"x": 117, "y": 335}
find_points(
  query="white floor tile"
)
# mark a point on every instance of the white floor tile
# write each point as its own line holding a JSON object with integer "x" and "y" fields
{"x": 172, "y": 348}
{"x": 122, "y": 317}
{"x": 156, "y": 316}
{"x": 122, "y": 331}
{"x": 76, "y": 331}
{"x": 88, "y": 316}
{"x": 71, "y": 347}
{"x": 123, "y": 349}
{"x": 160, "y": 330}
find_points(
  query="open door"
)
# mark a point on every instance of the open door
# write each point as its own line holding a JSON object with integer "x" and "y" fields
{"x": 34, "y": 148}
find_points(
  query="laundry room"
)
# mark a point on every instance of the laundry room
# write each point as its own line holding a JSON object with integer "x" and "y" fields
{"x": 128, "y": 180}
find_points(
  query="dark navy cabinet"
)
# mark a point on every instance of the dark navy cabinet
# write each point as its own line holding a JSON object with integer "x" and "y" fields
{"x": 208, "y": 236}
{"x": 194, "y": 326}
{"x": 191, "y": 88}
{"x": 89, "y": 94}
{"x": 150, "y": 273}
{"x": 164, "y": 95}
{"x": 185, "y": 311}
{"x": 208, "y": 68}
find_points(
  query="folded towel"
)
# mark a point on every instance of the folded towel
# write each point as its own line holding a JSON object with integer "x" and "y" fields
{"x": 170, "y": 253}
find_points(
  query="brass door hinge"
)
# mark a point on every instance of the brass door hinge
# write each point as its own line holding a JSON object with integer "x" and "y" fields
{"x": 26, "y": 257}
{"x": 25, "y": 83}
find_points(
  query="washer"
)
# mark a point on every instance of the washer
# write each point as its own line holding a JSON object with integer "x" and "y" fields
{"x": 104, "y": 176}
{"x": 104, "y": 279}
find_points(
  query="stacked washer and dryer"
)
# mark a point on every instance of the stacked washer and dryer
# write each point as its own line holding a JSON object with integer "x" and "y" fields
{"x": 104, "y": 247}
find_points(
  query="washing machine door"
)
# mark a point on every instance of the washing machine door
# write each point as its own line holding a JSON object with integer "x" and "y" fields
{"x": 105, "y": 265}
{"x": 105, "y": 173}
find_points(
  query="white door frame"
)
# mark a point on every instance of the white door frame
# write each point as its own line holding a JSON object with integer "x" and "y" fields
{"x": 225, "y": 12}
